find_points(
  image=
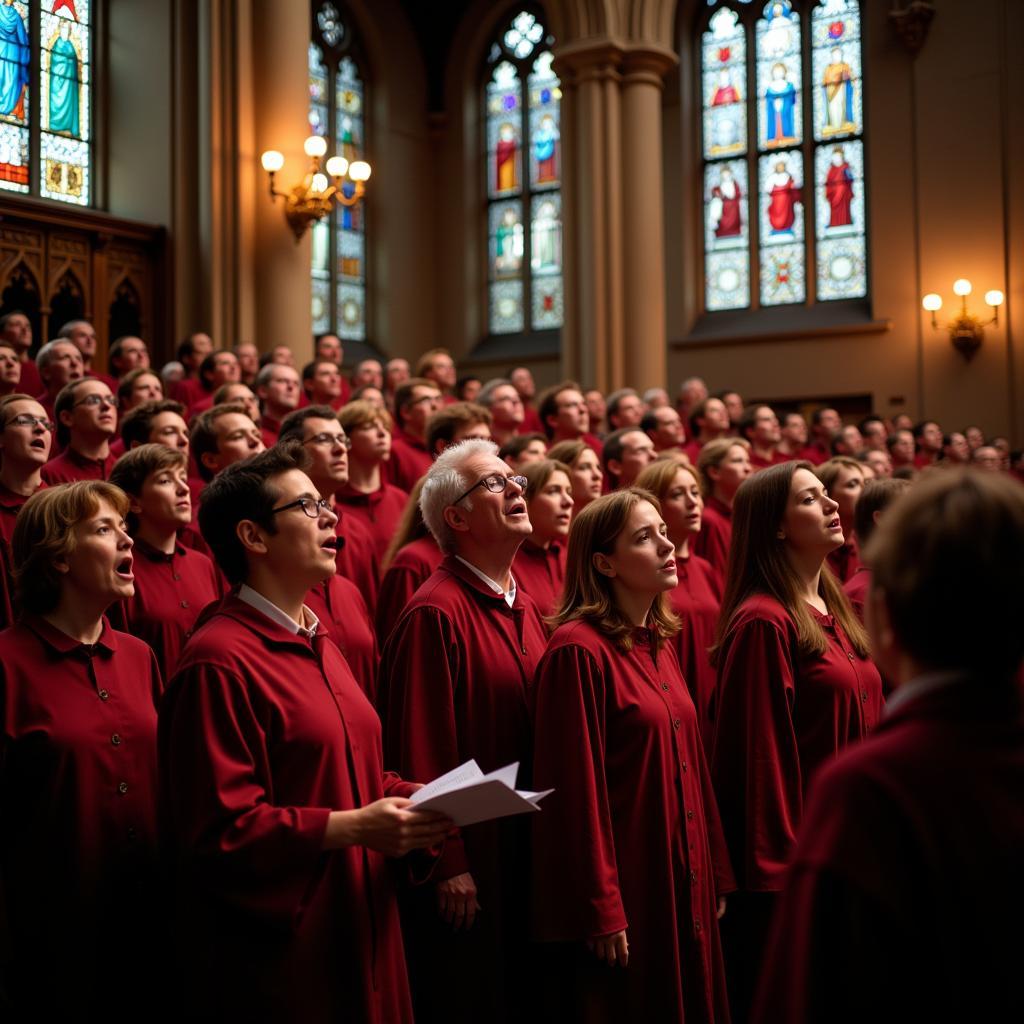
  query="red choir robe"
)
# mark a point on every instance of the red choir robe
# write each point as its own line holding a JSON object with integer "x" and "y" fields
{"x": 692, "y": 450}
{"x": 630, "y": 838}
{"x": 844, "y": 561}
{"x": 199, "y": 407}
{"x": 857, "y": 587}
{"x": 697, "y": 600}
{"x": 452, "y": 686}
{"x": 905, "y": 894}
{"x": 817, "y": 453}
{"x": 269, "y": 430}
{"x": 715, "y": 537}
{"x": 409, "y": 569}
{"x": 778, "y": 717}
{"x": 31, "y": 383}
{"x": 70, "y": 467}
{"x": 262, "y": 734}
{"x": 408, "y": 462}
{"x": 356, "y": 556}
{"x": 380, "y": 511}
{"x": 760, "y": 462}
{"x": 531, "y": 420}
{"x": 117, "y": 447}
{"x": 342, "y": 611}
{"x": 81, "y": 895}
{"x": 10, "y": 506}
{"x": 541, "y": 574}
{"x": 189, "y": 391}
{"x": 170, "y": 592}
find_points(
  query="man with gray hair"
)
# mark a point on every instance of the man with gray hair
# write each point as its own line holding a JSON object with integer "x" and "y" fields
{"x": 82, "y": 335}
{"x": 59, "y": 362}
{"x": 452, "y": 686}
{"x": 624, "y": 409}
{"x": 506, "y": 407}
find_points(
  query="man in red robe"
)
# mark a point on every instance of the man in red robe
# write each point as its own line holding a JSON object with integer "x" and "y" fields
{"x": 278, "y": 389}
{"x": 82, "y": 335}
{"x": 563, "y": 414}
{"x": 905, "y": 894}
{"x": 277, "y": 814}
{"x": 760, "y": 426}
{"x": 59, "y": 362}
{"x": 453, "y": 681}
{"x": 16, "y": 330}
{"x": 839, "y": 190}
{"x": 321, "y": 384}
{"x": 415, "y": 402}
{"x": 86, "y": 418}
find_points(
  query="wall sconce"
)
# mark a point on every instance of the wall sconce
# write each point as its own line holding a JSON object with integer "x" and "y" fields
{"x": 313, "y": 197}
{"x": 965, "y": 330}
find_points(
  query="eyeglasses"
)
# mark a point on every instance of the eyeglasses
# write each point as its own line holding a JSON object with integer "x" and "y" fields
{"x": 328, "y": 440}
{"x": 95, "y": 400}
{"x": 310, "y": 506}
{"x": 27, "y": 420}
{"x": 495, "y": 483}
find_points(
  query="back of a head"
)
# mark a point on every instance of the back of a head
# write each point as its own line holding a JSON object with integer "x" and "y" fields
{"x": 877, "y": 496}
{"x": 948, "y": 560}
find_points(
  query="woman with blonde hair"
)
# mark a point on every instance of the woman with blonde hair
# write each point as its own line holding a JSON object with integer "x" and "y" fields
{"x": 78, "y": 774}
{"x": 628, "y": 855}
{"x": 539, "y": 565}
{"x": 698, "y": 596}
{"x": 795, "y": 686}
{"x": 585, "y": 466}
{"x": 723, "y": 464}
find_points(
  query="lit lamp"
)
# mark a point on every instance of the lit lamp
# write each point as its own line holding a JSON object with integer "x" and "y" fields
{"x": 966, "y": 331}
{"x": 313, "y": 198}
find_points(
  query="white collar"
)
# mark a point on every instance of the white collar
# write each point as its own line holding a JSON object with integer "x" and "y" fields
{"x": 509, "y": 595}
{"x": 256, "y": 600}
{"x": 921, "y": 684}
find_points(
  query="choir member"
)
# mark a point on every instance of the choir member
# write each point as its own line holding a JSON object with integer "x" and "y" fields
{"x": 597, "y": 409}
{"x": 239, "y": 392}
{"x": 366, "y": 495}
{"x": 987, "y": 458}
{"x": 585, "y": 469}
{"x": 156, "y": 422}
{"x": 665, "y": 428}
{"x": 879, "y": 462}
{"x": 16, "y": 330}
{"x": 901, "y": 448}
{"x": 82, "y": 335}
{"x": 453, "y": 682}
{"x": 59, "y": 363}
{"x": 843, "y": 479}
{"x": 564, "y": 417}
{"x": 321, "y": 384}
{"x": 905, "y": 894}
{"x": 86, "y": 417}
{"x": 927, "y": 443}
{"x": 523, "y": 449}
{"x": 795, "y": 687}
{"x": 502, "y": 401}
{"x": 317, "y": 429}
{"x": 955, "y": 449}
{"x": 396, "y": 373}
{"x": 975, "y": 437}
{"x": 78, "y": 772}
{"x": 708, "y": 422}
{"x": 408, "y": 562}
{"x": 370, "y": 394}
{"x": 459, "y": 421}
{"x": 190, "y": 353}
{"x": 173, "y": 584}
{"x": 138, "y": 386}
{"x": 697, "y": 598}
{"x": 875, "y": 498}
{"x": 872, "y": 430}
{"x": 10, "y": 371}
{"x": 793, "y": 435}
{"x": 222, "y": 435}
{"x": 248, "y": 356}
{"x": 415, "y": 402}
{"x": 437, "y": 366}
{"x": 539, "y": 566}
{"x": 723, "y": 465}
{"x": 624, "y": 409}
{"x": 328, "y": 346}
{"x": 277, "y": 813}
{"x": 216, "y": 370}
{"x": 628, "y": 855}
{"x": 760, "y": 426}
{"x": 25, "y": 436}
{"x": 692, "y": 392}
{"x": 523, "y": 382}
{"x": 734, "y": 406}
{"x": 368, "y": 374}
{"x": 281, "y": 355}
{"x": 825, "y": 422}
{"x": 656, "y": 398}
{"x": 468, "y": 388}
{"x": 627, "y": 453}
{"x": 847, "y": 441}
{"x": 278, "y": 389}
{"x": 126, "y": 354}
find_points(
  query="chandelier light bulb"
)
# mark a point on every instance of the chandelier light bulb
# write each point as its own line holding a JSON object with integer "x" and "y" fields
{"x": 319, "y": 183}
{"x": 315, "y": 146}
{"x": 932, "y": 302}
{"x": 359, "y": 170}
{"x": 962, "y": 287}
{"x": 994, "y": 297}
{"x": 272, "y": 160}
{"x": 337, "y": 166}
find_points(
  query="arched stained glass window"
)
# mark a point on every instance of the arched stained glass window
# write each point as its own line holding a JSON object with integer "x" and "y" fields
{"x": 46, "y": 99}
{"x": 523, "y": 168}
{"x": 785, "y": 220}
{"x": 337, "y": 103}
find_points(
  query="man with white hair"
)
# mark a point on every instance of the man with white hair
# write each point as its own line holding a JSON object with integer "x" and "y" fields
{"x": 692, "y": 392}
{"x": 500, "y": 397}
{"x": 452, "y": 686}
{"x": 59, "y": 362}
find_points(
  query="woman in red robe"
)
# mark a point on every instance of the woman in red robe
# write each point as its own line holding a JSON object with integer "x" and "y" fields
{"x": 629, "y": 862}
{"x": 80, "y": 904}
{"x": 843, "y": 478}
{"x": 795, "y": 686}
{"x": 539, "y": 566}
{"x": 585, "y": 467}
{"x": 723, "y": 464}
{"x": 698, "y": 596}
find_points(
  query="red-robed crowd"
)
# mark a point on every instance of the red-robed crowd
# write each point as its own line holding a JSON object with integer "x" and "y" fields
{"x": 770, "y": 667}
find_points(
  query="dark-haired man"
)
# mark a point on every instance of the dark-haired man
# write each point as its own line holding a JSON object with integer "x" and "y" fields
{"x": 86, "y": 417}
{"x": 415, "y": 402}
{"x": 16, "y": 330}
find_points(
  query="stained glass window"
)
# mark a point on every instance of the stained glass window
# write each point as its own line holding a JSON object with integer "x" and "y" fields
{"x": 522, "y": 100}
{"x": 783, "y": 153}
{"x": 46, "y": 52}
{"x": 337, "y": 103}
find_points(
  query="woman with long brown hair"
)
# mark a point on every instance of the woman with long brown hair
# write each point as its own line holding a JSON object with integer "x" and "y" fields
{"x": 723, "y": 464}
{"x": 697, "y": 598}
{"x": 629, "y": 862}
{"x": 587, "y": 475}
{"x": 795, "y": 686}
